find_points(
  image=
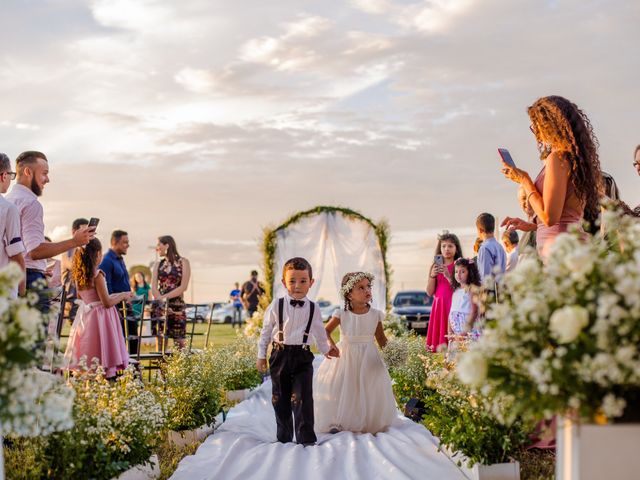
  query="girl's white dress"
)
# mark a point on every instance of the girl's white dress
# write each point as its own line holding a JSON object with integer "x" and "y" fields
{"x": 353, "y": 392}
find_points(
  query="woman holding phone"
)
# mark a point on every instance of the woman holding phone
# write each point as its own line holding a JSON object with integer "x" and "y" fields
{"x": 440, "y": 288}
{"x": 569, "y": 185}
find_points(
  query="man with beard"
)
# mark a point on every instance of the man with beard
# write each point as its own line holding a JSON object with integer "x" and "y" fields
{"x": 32, "y": 175}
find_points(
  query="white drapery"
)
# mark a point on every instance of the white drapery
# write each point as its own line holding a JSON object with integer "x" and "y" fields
{"x": 351, "y": 242}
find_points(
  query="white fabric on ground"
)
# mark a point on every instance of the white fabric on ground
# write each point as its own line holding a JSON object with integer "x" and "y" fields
{"x": 245, "y": 447}
{"x": 352, "y": 244}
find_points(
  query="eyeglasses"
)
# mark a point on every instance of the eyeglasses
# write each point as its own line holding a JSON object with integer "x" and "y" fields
{"x": 12, "y": 175}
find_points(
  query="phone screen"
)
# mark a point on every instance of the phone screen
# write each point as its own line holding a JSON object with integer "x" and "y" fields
{"x": 506, "y": 157}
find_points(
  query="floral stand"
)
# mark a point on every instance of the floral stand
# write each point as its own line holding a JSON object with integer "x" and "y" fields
{"x": 596, "y": 452}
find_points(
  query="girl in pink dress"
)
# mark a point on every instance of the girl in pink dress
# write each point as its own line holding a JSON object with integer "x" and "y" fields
{"x": 439, "y": 287}
{"x": 96, "y": 330}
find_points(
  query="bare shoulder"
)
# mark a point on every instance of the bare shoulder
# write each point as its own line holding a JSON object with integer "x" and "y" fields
{"x": 558, "y": 162}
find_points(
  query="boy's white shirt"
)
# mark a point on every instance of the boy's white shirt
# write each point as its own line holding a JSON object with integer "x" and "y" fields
{"x": 294, "y": 323}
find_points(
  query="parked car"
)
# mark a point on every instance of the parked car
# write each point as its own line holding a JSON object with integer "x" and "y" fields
{"x": 414, "y": 308}
{"x": 326, "y": 309}
{"x": 221, "y": 313}
{"x": 224, "y": 313}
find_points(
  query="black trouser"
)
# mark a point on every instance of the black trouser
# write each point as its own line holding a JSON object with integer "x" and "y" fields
{"x": 36, "y": 282}
{"x": 291, "y": 368}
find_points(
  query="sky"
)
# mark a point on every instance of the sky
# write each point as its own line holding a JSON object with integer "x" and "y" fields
{"x": 211, "y": 119}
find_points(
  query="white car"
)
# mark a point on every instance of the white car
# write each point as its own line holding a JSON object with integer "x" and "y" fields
{"x": 326, "y": 309}
{"x": 223, "y": 313}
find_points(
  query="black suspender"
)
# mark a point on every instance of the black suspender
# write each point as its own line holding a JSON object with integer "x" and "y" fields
{"x": 312, "y": 309}
{"x": 280, "y": 322}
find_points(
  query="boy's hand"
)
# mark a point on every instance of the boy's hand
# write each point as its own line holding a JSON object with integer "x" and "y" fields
{"x": 261, "y": 365}
{"x": 333, "y": 352}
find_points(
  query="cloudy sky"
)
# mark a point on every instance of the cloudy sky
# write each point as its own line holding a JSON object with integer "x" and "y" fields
{"x": 210, "y": 119}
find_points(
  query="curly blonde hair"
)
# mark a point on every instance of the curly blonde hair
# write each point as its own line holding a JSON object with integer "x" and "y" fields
{"x": 84, "y": 264}
{"x": 559, "y": 124}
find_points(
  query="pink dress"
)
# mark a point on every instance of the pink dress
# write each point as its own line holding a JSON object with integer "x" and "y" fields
{"x": 545, "y": 236}
{"x": 96, "y": 333}
{"x": 439, "y": 319}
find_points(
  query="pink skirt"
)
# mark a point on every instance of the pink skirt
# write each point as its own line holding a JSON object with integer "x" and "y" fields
{"x": 97, "y": 333}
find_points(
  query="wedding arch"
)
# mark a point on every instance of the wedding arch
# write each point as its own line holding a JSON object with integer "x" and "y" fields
{"x": 354, "y": 242}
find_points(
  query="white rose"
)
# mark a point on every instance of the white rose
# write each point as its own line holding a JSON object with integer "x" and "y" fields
{"x": 580, "y": 262}
{"x": 472, "y": 368}
{"x": 566, "y": 323}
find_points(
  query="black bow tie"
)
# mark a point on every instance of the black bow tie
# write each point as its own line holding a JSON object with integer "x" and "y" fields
{"x": 296, "y": 303}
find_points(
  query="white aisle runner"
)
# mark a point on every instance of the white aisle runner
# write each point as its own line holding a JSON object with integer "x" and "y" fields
{"x": 245, "y": 447}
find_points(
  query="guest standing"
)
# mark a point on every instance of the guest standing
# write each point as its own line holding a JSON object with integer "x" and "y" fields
{"x": 252, "y": 290}
{"x": 117, "y": 277}
{"x": 33, "y": 174}
{"x": 96, "y": 330}
{"x": 439, "y": 287}
{"x": 492, "y": 260}
{"x": 141, "y": 288}
{"x": 12, "y": 246}
{"x": 234, "y": 297}
{"x": 66, "y": 264}
{"x": 169, "y": 282}
{"x": 569, "y": 186}
{"x": 510, "y": 241}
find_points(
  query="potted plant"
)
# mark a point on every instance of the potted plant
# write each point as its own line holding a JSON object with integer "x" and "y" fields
{"x": 564, "y": 341}
{"x": 191, "y": 383}
{"x": 32, "y": 402}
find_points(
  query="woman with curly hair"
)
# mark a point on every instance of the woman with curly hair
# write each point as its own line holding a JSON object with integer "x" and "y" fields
{"x": 569, "y": 186}
{"x": 96, "y": 330}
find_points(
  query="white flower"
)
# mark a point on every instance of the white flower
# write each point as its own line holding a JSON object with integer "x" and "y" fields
{"x": 579, "y": 262}
{"x": 472, "y": 368}
{"x": 612, "y": 406}
{"x": 566, "y": 323}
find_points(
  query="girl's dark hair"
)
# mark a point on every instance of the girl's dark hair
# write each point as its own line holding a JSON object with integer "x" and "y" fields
{"x": 172, "y": 252}
{"x": 85, "y": 263}
{"x": 472, "y": 268}
{"x": 144, "y": 280}
{"x": 569, "y": 131}
{"x": 449, "y": 237}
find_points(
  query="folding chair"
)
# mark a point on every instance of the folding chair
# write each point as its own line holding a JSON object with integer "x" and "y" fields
{"x": 193, "y": 319}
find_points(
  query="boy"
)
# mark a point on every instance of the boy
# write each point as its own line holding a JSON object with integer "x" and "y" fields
{"x": 491, "y": 255}
{"x": 510, "y": 242}
{"x": 287, "y": 324}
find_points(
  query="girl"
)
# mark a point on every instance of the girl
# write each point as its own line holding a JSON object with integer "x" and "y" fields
{"x": 464, "y": 312}
{"x": 353, "y": 392}
{"x": 170, "y": 280}
{"x": 448, "y": 251}
{"x": 96, "y": 330}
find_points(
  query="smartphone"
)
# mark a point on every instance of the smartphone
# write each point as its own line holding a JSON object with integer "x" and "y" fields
{"x": 93, "y": 222}
{"x": 506, "y": 157}
{"x": 438, "y": 260}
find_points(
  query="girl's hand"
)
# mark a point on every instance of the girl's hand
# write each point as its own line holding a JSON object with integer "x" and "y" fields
{"x": 445, "y": 272}
{"x": 515, "y": 174}
{"x": 433, "y": 272}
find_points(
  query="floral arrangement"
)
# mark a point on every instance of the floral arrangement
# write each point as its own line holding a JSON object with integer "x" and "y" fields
{"x": 117, "y": 425}
{"x": 236, "y": 364}
{"x": 394, "y": 325}
{"x": 32, "y": 402}
{"x": 565, "y": 337}
{"x": 190, "y": 389}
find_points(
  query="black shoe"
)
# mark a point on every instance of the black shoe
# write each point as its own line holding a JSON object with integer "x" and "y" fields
{"x": 309, "y": 444}
{"x": 334, "y": 430}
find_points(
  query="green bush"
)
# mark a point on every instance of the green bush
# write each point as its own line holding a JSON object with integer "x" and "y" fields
{"x": 235, "y": 364}
{"x": 190, "y": 387}
{"x": 117, "y": 425}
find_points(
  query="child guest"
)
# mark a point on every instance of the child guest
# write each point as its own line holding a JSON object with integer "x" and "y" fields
{"x": 96, "y": 330}
{"x": 491, "y": 255}
{"x": 288, "y": 322}
{"x": 439, "y": 287}
{"x": 464, "y": 312}
{"x": 354, "y": 392}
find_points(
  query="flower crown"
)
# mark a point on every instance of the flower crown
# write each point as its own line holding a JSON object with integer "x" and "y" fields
{"x": 353, "y": 279}
{"x": 443, "y": 234}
